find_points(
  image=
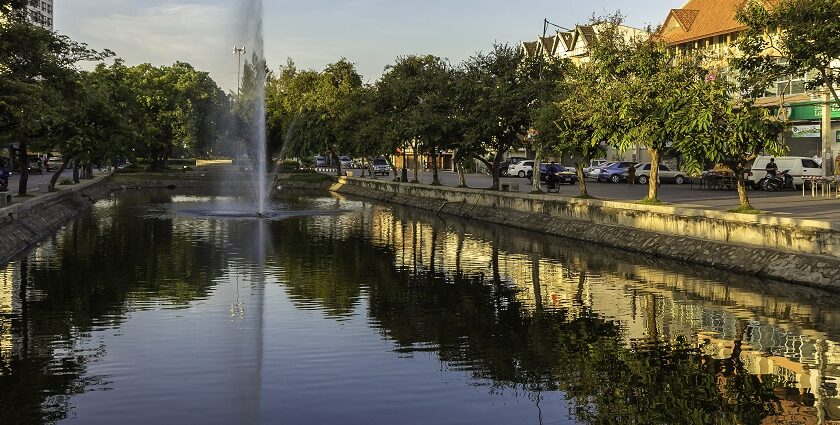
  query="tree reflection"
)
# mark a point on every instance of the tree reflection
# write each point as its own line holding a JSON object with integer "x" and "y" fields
{"x": 106, "y": 264}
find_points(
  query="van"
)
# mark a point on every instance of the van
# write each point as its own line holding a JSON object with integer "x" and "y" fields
{"x": 799, "y": 167}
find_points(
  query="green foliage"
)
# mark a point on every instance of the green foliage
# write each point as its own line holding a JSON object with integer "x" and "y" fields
{"x": 806, "y": 33}
{"x": 498, "y": 92}
{"x": 415, "y": 99}
{"x": 313, "y": 110}
{"x": 711, "y": 127}
{"x": 638, "y": 81}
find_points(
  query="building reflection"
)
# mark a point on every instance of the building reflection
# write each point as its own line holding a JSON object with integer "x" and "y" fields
{"x": 783, "y": 333}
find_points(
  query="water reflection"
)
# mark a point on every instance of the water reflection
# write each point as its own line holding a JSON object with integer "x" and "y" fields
{"x": 101, "y": 320}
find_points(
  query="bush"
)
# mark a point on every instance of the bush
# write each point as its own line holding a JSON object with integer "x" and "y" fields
{"x": 65, "y": 182}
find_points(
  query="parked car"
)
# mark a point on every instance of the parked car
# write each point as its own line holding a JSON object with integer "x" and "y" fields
{"x": 380, "y": 166}
{"x": 799, "y": 167}
{"x": 521, "y": 169}
{"x": 595, "y": 172}
{"x": 346, "y": 162}
{"x": 36, "y": 166}
{"x": 320, "y": 161}
{"x": 666, "y": 175}
{"x": 593, "y": 165}
{"x": 565, "y": 174}
{"x": 614, "y": 172}
{"x": 54, "y": 163}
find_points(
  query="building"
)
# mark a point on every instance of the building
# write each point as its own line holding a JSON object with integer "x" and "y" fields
{"x": 40, "y": 12}
{"x": 710, "y": 28}
{"x": 574, "y": 43}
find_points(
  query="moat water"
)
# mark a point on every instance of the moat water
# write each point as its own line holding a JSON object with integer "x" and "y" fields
{"x": 342, "y": 311}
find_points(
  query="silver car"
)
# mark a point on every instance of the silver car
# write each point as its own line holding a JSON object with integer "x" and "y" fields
{"x": 666, "y": 174}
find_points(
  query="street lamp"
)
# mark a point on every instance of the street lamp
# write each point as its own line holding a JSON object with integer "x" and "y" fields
{"x": 238, "y": 51}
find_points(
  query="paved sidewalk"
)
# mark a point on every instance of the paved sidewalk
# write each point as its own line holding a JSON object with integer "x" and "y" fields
{"x": 784, "y": 204}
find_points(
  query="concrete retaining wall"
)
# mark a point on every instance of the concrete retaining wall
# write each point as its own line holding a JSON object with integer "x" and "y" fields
{"x": 801, "y": 251}
{"x": 25, "y": 224}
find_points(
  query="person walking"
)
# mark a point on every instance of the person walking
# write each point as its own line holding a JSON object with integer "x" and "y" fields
{"x": 631, "y": 175}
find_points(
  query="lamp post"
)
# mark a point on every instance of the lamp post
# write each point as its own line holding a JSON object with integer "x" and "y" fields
{"x": 238, "y": 51}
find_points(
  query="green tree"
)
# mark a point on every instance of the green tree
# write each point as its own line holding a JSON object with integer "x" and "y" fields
{"x": 639, "y": 80}
{"x": 416, "y": 94}
{"x": 805, "y": 33}
{"x": 316, "y": 103}
{"x": 711, "y": 126}
{"x": 498, "y": 91}
{"x": 38, "y": 78}
{"x": 565, "y": 125}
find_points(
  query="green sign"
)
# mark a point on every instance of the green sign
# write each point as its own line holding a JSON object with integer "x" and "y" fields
{"x": 811, "y": 111}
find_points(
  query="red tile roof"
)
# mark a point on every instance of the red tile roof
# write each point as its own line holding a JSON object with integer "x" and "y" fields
{"x": 699, "y": 19}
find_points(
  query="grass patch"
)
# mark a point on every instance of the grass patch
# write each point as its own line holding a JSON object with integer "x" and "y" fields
{"x": 309, "y": 177}
{"x": 746, "y": 210}
{"x": 649, "y": 201}
{"x": 65, "y": 182}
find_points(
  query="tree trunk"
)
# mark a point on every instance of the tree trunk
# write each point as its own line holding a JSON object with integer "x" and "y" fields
{"x": 653, "y": 184}
{"x": 337, "y": 164}
{"x": 495, "y": 172}
{"x": 23, "y": 158}
{"x": 76, "y": 171}
{"x": 535, "y": 182}
{"x": 462, "y": 179}
{"x": 57, "y": 174}
{"x": 742, "y": 191}
{"x": 416, "y": 164}
{"x": 435, "y": 177}
{"x": 581, "y": 180}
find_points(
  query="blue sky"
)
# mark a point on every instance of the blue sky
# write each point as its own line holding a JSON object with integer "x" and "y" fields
{"x": 370, "y": 33}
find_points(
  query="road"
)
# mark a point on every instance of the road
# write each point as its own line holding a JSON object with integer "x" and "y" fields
{"x": 35, "y": 180}
{"x": 784, "y": 204}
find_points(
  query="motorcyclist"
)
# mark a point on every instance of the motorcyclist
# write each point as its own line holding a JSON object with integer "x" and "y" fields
{"x": 551, "y": 178}
{"x": 772, "y": 168}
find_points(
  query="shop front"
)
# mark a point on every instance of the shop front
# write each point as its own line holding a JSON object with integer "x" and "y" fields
{"x": 804, "y": 133}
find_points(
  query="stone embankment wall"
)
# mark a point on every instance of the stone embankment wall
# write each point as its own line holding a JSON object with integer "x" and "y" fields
{"x": 25, "y": 224}
{"x": 801, "y": 251}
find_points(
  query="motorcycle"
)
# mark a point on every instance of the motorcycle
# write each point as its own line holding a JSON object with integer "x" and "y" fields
{"x": 779, "y": 181}
{"x": 552, "y": 181}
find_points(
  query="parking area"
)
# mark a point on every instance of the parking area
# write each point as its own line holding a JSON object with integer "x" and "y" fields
{"x": 784, "y": 204}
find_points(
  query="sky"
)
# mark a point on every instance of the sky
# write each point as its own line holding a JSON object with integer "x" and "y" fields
{"x": 314, "y": 33}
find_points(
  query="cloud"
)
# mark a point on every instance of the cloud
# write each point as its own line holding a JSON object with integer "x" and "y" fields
{"x": 200, "y": 34}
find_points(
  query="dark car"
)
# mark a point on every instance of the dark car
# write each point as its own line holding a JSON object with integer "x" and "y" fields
{"x": 614, "y": 173}
{"x": 565, "y": 175}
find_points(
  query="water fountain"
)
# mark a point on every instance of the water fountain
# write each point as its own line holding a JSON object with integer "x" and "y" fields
{"x": 252, "y": 38}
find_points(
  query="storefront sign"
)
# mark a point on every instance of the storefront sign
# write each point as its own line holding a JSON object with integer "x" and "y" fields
{"x": 810, "y": 112}
{"x": 806, "y": 131}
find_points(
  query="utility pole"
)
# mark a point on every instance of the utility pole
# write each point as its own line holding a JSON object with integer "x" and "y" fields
{"x": 238, "y": 51}
{"x": 535, "y": 183}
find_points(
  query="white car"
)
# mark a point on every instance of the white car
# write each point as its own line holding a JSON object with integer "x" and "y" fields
{"x": 380, "y": 166}
{"x": 594, "y": 172}
{"x": 521, "y": 169}
{"x": 346, "y": 162}
{"x": 800, "y": 168}
{"x": 594, "y": 165}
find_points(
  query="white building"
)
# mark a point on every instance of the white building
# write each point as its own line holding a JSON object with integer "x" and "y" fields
{"x": 40, "y": 12}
